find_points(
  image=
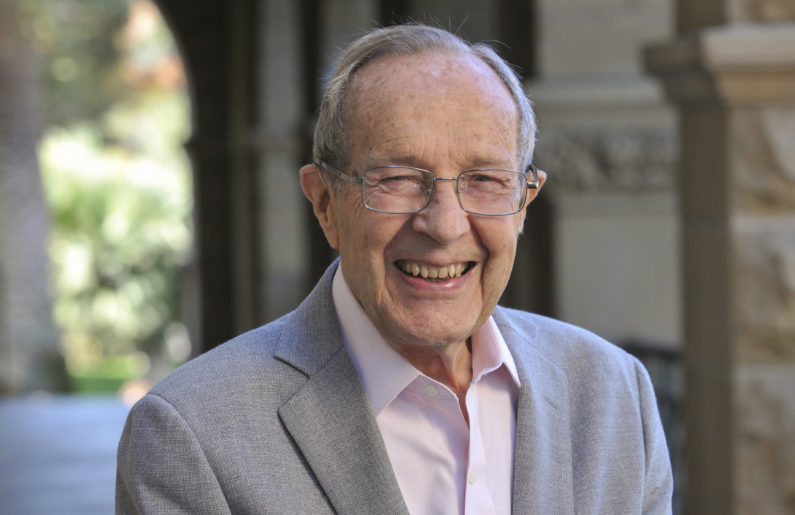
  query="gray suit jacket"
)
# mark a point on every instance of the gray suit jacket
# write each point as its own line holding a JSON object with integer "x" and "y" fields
{"x": 277, "y": 421}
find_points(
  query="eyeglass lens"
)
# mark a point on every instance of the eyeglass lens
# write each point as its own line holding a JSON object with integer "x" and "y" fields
{"x": 407, "y": 190}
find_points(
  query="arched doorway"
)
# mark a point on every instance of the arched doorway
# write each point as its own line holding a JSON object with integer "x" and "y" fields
{"x": 118, "y": 187}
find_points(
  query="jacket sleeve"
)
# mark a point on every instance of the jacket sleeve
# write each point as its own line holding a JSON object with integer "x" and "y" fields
{"x": 658, "y": 484}
{"x": 161, "y": 467}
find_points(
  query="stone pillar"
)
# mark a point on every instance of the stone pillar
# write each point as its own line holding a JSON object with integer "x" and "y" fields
{"x": 731, "y": 73}
{"x": 607, "y": 141}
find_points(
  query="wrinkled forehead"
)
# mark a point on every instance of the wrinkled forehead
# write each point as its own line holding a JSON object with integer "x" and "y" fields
{"x": 430, "y": 74}
{"x": 406, "y": 92}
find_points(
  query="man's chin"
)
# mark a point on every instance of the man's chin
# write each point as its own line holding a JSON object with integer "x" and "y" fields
{"x": 435, "y": 322}
{"x": 433, "y": 338}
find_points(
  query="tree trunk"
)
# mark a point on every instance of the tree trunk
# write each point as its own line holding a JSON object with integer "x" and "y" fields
{"x": 29, "y": 350}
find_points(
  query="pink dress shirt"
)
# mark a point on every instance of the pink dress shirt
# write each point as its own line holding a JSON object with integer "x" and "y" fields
{"x": 442, "y": 465}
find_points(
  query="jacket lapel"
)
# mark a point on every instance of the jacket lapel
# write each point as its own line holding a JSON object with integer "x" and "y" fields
{"x": 542, "y": 480}
{"x": 332, "y": 424}
{"x": 329, "y": 417}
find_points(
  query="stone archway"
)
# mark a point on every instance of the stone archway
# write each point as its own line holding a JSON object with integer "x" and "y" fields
{"x": 217, "y": 43}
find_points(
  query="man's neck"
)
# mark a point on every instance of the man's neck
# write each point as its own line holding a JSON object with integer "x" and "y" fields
{"x": 451, "y": 365}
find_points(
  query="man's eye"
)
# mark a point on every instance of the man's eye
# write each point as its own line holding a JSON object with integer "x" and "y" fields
{"x": 482, "y": 178}
{"x": 398, "y": 178}
{"x": 490, "y": 180}
{"x": 402, "y": 184}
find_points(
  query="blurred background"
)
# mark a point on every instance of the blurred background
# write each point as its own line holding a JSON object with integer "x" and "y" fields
{"x": 150, "y": 210}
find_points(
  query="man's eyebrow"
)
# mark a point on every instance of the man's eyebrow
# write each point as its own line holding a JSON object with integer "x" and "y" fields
{"x": 472, "y": 163}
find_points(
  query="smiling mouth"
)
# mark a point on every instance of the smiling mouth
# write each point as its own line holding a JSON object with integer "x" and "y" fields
{"x": 433, "y": 273}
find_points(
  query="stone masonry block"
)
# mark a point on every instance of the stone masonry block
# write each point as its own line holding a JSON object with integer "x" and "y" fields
{"x": 763, "y": 278}
{"x": 763, "y": 10}
{"x": 765, "y": 405}
{"x": 763, "y": 141}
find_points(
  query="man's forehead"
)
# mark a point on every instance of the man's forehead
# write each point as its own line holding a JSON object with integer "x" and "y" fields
{"x": 395, "y": 96}
{"x": 423, "y": 68}
{"x": 423, "y": 81}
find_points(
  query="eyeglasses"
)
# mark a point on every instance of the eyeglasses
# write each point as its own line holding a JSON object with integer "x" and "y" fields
{"x": 405, "y": 190}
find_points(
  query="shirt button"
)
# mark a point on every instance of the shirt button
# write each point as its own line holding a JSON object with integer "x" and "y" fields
{"x": 472, "y": 477}
{"x": 431, "y": 389}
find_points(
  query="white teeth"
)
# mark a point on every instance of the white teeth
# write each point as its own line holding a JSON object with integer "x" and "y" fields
{"x": 432, "y": 272}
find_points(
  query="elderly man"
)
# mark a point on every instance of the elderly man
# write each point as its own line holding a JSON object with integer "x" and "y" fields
{"x": 398, "y": 385}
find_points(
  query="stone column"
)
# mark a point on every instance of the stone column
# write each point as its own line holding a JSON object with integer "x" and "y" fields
{"x": 731, "y": 73}
{"x": 607, "y": 141}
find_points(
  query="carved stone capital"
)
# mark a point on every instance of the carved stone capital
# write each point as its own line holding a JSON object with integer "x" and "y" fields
{"x": 608, "y": 160}
{"x": 739, "y": 64}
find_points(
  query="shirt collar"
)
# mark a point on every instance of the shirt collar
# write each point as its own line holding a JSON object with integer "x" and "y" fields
{"x": 384, "y": 372}
{"x": 489, "y": 352}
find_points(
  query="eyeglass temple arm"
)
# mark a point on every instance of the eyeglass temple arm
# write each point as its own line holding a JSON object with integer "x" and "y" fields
{"x": 533, "y": 171}
{"x": 353, "y": 179}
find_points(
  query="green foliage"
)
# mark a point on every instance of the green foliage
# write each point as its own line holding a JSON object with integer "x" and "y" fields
{"x": 109, "y": 373}
{"x": 120, "y": 235}
{"x": 116, "y": 180}
{"x": 78, "y": 42}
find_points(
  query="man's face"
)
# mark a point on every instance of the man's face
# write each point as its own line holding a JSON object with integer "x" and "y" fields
{"x": 445, "y": 113}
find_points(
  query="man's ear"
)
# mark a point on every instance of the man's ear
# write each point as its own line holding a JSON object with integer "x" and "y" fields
{"x": 318, "y": 190}
{"x": 542, "y": 178}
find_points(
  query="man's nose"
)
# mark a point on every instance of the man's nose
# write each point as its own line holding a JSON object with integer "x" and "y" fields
{"x": 443, "y": 219}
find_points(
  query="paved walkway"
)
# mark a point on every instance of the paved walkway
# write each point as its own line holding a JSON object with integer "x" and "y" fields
{"x": 58, "y": 454}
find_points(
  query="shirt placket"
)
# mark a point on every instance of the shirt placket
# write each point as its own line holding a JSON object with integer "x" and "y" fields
{"x": 477, "y": 498}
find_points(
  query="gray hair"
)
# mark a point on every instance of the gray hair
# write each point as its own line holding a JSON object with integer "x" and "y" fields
{"x": 331, "y": 141}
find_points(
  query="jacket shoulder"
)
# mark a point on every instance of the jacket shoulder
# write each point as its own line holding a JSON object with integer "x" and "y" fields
{"x": 564, "y": 344}
{"x": 244, "y": 365}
